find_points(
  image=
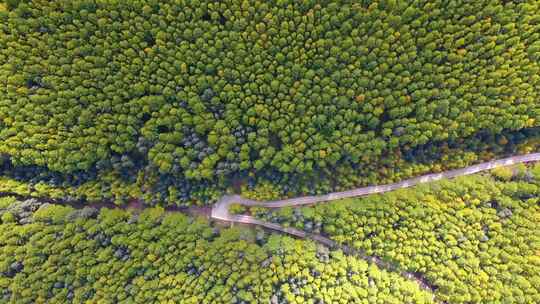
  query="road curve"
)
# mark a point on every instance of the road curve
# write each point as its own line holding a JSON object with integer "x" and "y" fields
{"x": 220, "y": 210}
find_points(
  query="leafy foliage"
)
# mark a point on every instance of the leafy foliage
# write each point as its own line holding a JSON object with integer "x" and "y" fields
{"x": 117, "y": 256}
{"x": 184, "y": 97}
{"x": 236, "y": 208}
{"x": 475, "y": 238}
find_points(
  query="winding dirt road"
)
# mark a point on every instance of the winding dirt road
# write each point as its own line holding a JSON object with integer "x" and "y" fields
{"x": 220, "y": 210}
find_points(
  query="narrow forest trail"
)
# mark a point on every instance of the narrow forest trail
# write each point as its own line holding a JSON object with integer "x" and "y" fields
{"x": 220, "y": 210}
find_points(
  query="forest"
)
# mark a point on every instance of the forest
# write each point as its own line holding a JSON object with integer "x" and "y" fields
{"x": 57, "y": 254}
{"x": 476, "y": 238}
{"x": 125, "y": 124}
{"x": 473, "y": 239}
{"x": 176, "y": 102}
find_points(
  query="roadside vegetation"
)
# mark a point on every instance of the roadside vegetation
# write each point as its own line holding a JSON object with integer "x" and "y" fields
{"x": 476, "y": 238}
{"x": 154, "y": 105}
{"x": 182, "y": 100}
{"x": 56, "y": 254}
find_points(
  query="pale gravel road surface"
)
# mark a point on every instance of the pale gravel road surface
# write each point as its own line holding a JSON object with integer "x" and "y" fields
{"x": 220, "y": 210}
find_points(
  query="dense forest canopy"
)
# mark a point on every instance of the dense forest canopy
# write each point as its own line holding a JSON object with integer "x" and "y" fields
{"x": 196, "y": 94}
{"x": 176, "y": 102}
{"x": 476, "y": 238}
{"x": 54, "y": 254}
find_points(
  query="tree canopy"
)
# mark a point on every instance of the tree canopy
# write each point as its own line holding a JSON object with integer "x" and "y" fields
{"x": 55, "y": 254}
{"x": 476, "y": 239}
{"x": 309, "y": 95}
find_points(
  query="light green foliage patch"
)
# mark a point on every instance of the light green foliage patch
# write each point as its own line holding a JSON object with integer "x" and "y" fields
{"x": 236, "y": 208}
{"x": 503, "y": 173}
{"x": 6, "y": 201}
{"x": 52, "y": 213}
